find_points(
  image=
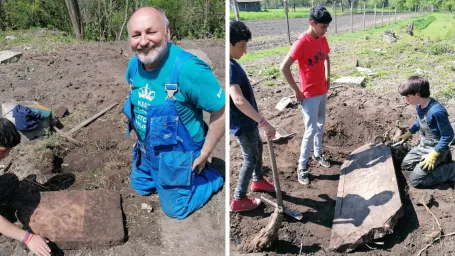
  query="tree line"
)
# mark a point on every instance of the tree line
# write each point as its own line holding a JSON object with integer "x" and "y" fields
{"x": 105, "y": 20}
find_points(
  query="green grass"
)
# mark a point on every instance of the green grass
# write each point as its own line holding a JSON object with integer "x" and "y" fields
{"x": 300, "y": 12}
{"x": 429, "y": 53}
{"x": 338, "y": 37}
{"x": 442, "y": 26}
{"x": 39, "y": 39}
{"x": 264, "y": 53}
{"x": 272, "y": 71}
{"x": 423, "y": 22}
{"x": 449, "y": 92}
{"x": 268, "y": 15}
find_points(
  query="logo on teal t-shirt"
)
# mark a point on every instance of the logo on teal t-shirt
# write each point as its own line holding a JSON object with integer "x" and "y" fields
{"x": 142, "y": 98}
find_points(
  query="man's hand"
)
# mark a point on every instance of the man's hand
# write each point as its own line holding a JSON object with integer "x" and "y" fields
{"x": 38, "y": 246}
{"x": 200, "y": 162}
{"x": 429, "y": 161}
{"x": 269, "y": 130}
{"x": 298, "y": 96}
{"x": 328, "y": 83}
{"x": 404, "y": 137}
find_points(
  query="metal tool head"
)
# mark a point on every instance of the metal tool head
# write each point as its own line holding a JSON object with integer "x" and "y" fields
{"x": 294, "y": 214}
{"x": 398, "y": 143}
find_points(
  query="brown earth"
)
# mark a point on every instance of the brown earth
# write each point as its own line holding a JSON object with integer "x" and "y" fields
{"x": 87, "y": 78}
{"x": 354, "y": 117}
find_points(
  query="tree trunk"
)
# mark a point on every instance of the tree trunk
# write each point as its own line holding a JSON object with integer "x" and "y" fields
{"x": 75, "y": 14}
{"x": 2, "y": 17}
{"x": 119, "y": 36}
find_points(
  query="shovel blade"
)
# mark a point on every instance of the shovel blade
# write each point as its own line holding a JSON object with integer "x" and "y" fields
{"x": 293, "y": 214}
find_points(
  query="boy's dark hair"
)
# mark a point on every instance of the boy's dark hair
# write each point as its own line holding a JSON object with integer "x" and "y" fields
{"x": 414, "y": 85}
{"x": 238, "y": 32}
{"x": 9, "y": 136}
{"x": 320, "y": 14}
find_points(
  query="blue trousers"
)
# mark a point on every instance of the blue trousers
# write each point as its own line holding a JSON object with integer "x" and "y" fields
{"x": 252, "y": 149}
{"x": 177, "y": 201}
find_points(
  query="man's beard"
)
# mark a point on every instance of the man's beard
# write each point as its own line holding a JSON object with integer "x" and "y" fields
{"x": 154, "y": 55}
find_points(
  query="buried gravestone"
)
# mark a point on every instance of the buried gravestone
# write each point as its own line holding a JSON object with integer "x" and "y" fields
{"x": 368, "y": 201}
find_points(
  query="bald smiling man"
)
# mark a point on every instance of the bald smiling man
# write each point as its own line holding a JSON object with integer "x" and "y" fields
{"x": 170, "y": 89}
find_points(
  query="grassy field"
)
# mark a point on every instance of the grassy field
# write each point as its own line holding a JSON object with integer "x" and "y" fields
{"x": 430, "y": 53}
{"x": 427, "y": 25}
{"x": 38, "y": 39}
{"x": 300, "y": 12}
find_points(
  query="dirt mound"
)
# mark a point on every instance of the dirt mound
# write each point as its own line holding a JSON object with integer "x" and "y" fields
{"x": 354, "y": 117}
{"x": 87, "y": 78}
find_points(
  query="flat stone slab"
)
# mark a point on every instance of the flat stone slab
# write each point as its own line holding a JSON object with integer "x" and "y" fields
{"x": 7, "y": 56}
{"x": 79, "y": 219}
{"x": 350, "y": 80}
{"x": 368, "y": 201}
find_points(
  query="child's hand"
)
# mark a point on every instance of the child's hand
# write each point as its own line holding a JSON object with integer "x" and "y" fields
{"x": 298, "y": 96}
{"x": 429, "y": 160}
{"x": 269, "y": 130}
{"x": 39, "y": 246}
{"x": 404, "y": 137}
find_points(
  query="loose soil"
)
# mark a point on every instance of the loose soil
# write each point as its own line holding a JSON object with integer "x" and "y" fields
{"x": 87, "y": 78}
{"x": 355, "y": 116}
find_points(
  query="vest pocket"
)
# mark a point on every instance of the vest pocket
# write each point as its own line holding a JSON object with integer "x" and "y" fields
{"x": 175, "y": 168}
{"x": 162, "y": 130}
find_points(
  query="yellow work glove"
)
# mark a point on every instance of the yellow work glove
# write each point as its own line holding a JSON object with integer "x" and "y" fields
{"x": 406, "y": 136}
{"x": 428, "y": 163}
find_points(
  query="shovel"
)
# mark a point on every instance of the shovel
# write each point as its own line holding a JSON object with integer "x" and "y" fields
{"x": 267, "y": 235}
{"x": 276, "y": 183}
{"x": 290, "y": 213}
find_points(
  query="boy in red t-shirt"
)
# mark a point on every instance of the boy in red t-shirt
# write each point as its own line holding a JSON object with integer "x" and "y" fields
{"x": 311, "y": 50}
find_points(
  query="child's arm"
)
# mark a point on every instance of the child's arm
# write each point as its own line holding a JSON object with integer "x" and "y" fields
{"x": 286, "y": 70}
{"x": 415, "y": 127}
{"x": 327, "y": 70}
{"x": 446, "y": 131}
{"x": 245, "y": 107}
{"x": 36, "y": 243}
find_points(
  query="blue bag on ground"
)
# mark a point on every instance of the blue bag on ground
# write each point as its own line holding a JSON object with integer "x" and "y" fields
{"x": 25, "y": 118}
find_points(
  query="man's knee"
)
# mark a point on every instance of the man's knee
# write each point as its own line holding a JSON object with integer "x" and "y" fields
{"x": 143, "y": 186}
{"x": 416, "y": 179}
{"x": 179, "y": 203}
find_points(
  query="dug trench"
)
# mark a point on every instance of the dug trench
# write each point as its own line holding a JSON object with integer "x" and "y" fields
{"x": 354, "y": 117}
{"x": 86, "y": 78}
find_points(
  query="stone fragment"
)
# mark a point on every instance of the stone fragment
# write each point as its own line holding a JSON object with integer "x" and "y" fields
{"x": 368, "y": 203}
{"x": 60, "y": 112}
{"x": 9, "y": 56}
{"x": 79, "y": 219}
{"x": 350, "y": 80}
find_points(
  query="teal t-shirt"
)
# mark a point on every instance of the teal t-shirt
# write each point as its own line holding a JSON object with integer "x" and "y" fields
{"x": 198, "y": 90}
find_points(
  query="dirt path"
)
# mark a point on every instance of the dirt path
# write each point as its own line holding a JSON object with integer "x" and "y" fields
{"x": 269, "y": 34}
{"x": 87, "y": 78}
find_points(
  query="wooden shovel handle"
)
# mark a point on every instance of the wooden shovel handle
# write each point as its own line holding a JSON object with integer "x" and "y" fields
{"x": 276, "y": 181}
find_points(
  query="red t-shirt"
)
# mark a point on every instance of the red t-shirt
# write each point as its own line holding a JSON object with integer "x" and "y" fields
{"x": 310, "y": 54}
